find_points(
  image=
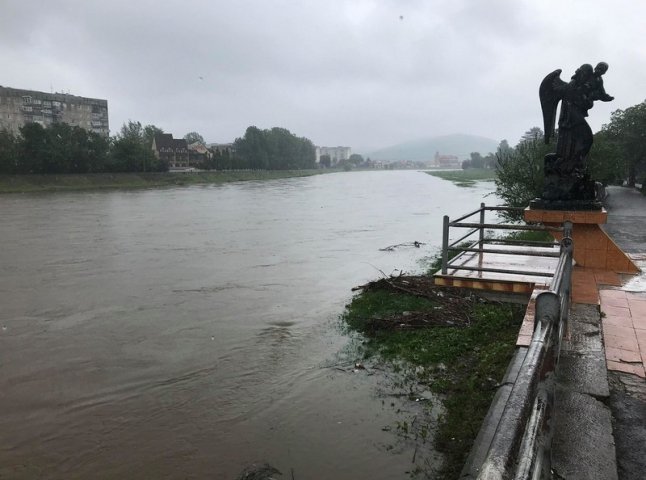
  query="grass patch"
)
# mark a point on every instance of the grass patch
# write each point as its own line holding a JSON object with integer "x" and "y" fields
{"x": 466, "y": 178}
{"x": 461, "y": 361}
{"x": 94, "y": 181}
{"x": 529, "y": 236}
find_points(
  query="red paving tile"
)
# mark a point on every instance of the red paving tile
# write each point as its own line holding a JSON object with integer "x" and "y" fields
{"x": 613, "y": 298}
{"x": 621, "y": 355}
{"x": 611, "y": 310}
{"x": 624, "y": 330}
{"x": 584, "y": 286}
{"x": 606, "y": 277}
{"x": 639, "y": 323}
{"x": 587, "y": 298}
{"x": 634, "y": 368}
{"x": 618, "y": 331}
{"x": 638, "y": 309}
{"x": 622, "y": 343}
{"x": 617, "y": 321}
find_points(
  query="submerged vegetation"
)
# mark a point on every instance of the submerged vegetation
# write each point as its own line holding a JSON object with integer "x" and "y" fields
{"x": 450, "y": 342}
{"x": 466, "y": 178}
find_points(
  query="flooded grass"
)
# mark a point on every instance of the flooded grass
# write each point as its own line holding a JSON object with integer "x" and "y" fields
{"x": 462, "y": 362}
{"x": 466, "y": 178}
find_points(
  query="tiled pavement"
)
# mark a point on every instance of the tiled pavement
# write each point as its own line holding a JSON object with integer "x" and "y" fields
{"x": 624, "y": 330}
{"x": 623, "y": 318}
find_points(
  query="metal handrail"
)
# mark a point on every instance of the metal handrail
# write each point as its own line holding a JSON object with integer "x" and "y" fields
{"x": 529, "y": 253}
{"x": 525, "y": 418}
{"x": 480, "y": 228}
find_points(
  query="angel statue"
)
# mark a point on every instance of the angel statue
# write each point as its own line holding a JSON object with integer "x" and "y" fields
{"x": 566, "y": 176}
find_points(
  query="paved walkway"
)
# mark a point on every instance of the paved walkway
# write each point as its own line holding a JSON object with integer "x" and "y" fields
{"x": 624, "y": 329}
{"x": 601, "y": 387}
{"x": 623, "y": 317}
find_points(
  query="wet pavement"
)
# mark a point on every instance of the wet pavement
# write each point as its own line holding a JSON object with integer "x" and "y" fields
{"x": 624, "y": 329}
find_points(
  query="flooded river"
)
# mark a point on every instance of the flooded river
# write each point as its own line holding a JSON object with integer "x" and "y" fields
{"x": 189, "y": 332}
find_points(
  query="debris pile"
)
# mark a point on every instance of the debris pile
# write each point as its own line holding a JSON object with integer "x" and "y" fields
{"x": 452, "y": 306}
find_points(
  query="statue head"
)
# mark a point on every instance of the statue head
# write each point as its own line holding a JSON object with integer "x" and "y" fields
{"x": 601, "y": 68}
{"x": 582, "y": 73}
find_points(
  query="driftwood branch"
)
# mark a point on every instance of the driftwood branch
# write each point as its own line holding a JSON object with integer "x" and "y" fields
{"x": 390, "y": 248}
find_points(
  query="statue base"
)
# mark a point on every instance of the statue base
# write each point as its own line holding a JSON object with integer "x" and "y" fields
{"x": 566, "y": 186}
{"x": 565, "y": 205}
{"x": 593, "y": 248}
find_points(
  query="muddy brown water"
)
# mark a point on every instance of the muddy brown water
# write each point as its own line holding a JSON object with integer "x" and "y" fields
{"x": 189, "y": 332}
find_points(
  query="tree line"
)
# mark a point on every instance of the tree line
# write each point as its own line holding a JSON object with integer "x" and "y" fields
{"x": 60, "y": 148}
{"x": 618, "y": 156}
{"x": 274, "y": 149}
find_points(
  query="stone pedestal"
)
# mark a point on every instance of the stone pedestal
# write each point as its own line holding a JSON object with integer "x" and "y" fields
{"x": 593, "y": 248}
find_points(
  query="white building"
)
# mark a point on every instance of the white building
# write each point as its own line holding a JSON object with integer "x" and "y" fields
{"x": 336, "y": 153}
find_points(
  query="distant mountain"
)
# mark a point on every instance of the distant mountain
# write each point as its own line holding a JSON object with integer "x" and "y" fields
{"x": 424, "y": 149}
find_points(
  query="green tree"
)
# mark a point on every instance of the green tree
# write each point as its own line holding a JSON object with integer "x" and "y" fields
{"x": 325, "y": 161}
{"x": 34, "y": 154}
{"x": 58, "y": 138}
{"x": 193, "y": 137}
{"x": 605, "y": 160}
{"x": 131, "y": 150}
{"x": 476, "y": 160}
{"x": 627, "y": 132}
{"x": 149, "y": 133}
{"x": 9, "y": 152}
{"x": 275, "y": 149}
{"x": 519, "y": 176}
{"x": 489, "y": 161}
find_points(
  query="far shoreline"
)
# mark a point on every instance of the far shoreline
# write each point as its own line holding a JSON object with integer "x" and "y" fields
{"x": 10, "y": 184}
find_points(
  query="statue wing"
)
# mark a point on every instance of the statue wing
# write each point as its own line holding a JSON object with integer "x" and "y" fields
{"x": 550, "y": 93}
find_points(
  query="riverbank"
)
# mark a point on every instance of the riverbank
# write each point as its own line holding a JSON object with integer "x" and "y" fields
{"x": 450, "y": 342}
{"x": 466, "y": 178}
{"x": 95, "y": 181}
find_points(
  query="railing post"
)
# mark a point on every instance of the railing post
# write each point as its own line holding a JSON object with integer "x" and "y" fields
{"x": 482, "y": 221}
{"x": 567, "y": 229}
{"x": 445, "y": 245}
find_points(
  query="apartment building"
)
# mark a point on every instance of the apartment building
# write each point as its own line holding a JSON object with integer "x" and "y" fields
{"x": 18, "y": 107}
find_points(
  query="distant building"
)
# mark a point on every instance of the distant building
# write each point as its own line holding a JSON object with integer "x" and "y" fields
{"x": 222, "y": 148}
{"x": 447, "y": 161}
{"x": 18, "y": 107}
{"x": 198, "y": 154}
{"x": 336, "y": 154}
{"x": 174, "y": 151}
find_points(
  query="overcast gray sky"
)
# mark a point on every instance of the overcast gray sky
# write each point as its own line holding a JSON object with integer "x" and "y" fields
{"x": 360, "y": 73}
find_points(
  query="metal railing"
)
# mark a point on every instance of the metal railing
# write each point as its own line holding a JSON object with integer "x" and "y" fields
{"x": 520, "y": 446}
{"x": 480, "y": 244}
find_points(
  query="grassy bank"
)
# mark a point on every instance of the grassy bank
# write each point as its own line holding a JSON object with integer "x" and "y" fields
{"x": 450, "y": 342}
{"x": 49, "y": 183}
{"x": 466, "y": 178}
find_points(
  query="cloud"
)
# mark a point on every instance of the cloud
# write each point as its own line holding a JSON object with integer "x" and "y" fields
{"x": 353, "y": 72}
